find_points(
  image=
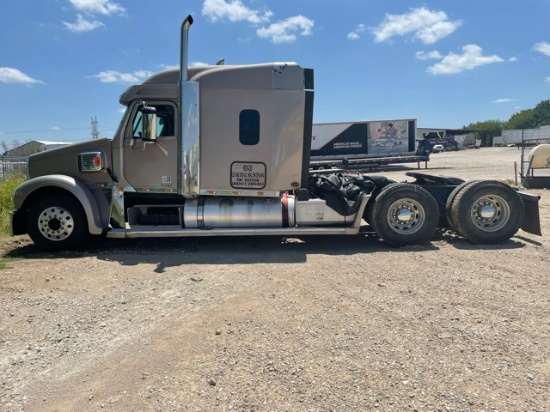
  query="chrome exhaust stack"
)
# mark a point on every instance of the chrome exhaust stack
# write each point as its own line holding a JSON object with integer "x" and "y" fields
{"x": 189, "y": 115}
{"x": 184, "y": 47}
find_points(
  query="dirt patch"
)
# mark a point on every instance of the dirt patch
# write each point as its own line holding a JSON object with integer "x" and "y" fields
{"x": 267, "y": 324}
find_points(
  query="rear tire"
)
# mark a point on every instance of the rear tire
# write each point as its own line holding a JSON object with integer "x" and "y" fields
{"x": 404, "y": 214}
{"x": 57, "y": 222}
{"x": 450, "y": 202}
{"x": 487, "y": 212}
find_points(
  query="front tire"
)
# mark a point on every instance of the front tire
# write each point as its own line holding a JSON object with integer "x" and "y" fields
{"x": 57, "y": 222}
{"x": 487, "y": 212}
{"x": 404, "y": 214}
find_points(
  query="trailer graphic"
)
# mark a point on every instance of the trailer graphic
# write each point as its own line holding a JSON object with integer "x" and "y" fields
{"x": 365, "y": 144}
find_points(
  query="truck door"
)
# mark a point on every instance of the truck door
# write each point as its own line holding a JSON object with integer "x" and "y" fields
{"x": 152, "y": 166}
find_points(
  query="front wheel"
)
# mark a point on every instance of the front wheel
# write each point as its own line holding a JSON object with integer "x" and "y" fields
{"x": 404, "y": 214}
{"x": 487, "y": 212}
{"x": 57, "y": 222}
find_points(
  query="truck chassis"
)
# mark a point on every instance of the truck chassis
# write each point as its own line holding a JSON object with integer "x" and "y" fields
{"x": 481, "y": 211}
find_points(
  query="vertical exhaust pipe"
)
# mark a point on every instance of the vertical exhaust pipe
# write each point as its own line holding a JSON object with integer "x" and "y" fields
{"x": 189, "y": 121}
{"x": 184, "y": 47}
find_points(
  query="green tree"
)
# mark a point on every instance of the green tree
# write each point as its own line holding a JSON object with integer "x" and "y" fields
{"x": 531, "y": 118}
{"x": 542, "y": 113}
{"x": 487, "y": 129}
{"x": 522, "y": 120}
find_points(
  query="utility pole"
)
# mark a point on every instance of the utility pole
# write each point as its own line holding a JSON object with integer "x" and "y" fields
{"x": 95, "y": 129}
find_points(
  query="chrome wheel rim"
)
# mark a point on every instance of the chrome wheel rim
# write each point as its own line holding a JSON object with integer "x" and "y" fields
{"x": 406, "y": 216}
{"x": 56, "y": 223}
{"x": 490, "y": 213}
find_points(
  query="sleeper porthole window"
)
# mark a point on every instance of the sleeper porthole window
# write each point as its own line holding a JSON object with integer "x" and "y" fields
{"x": 249, "y": 127}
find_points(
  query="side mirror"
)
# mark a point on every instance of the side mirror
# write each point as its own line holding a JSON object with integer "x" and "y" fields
{"x": 149, "y": 120}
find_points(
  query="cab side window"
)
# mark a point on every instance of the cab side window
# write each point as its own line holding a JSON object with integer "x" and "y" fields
{"x": 165, "y": 121}
{"x": 249, "y": 127}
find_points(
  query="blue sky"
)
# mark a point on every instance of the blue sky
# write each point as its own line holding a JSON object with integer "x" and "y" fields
{"x": 444, "y": 63}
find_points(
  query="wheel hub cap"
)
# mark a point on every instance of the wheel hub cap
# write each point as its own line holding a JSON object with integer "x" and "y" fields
{"x": 404, "y": 215}
{"x": 487, "y": 211}
{"x": 56, "y": 223}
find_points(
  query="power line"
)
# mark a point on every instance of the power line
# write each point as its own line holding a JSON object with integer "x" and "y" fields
{"x": 41, "y": 130}
{"x": 11, "y": 132}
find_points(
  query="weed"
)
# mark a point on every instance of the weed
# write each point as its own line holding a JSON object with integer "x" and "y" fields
{"x": 7, "y": 186}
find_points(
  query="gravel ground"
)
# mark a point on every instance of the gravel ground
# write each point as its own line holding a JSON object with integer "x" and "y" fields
{"x": 271, "y": 324}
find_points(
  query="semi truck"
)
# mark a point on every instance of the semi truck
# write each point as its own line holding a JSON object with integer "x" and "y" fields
{"x": 225, "y": 151}
{"x": 365, "y": 145}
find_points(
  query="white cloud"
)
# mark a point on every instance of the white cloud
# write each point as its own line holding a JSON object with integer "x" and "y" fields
{"x": 10, "y": 75}
{"x": 169, "y": 66}
{"x": 355, "y": 34}
{"x": 283, "y": 31}
{"x": 504, "y": 100}
{"x": 112, "y": 76}
{"x": 470, "y": 58}
{"x": 513, "y": 59}
{"x": 234, "y": 11}
{"x": 542, "y": 47}
{"x": 105, "y": 7}
{"x": 427, "y": 25}
{"x": 434, "y": 54}
{"x": 82, "y": 25}
{"x": 547, "y": 79}
{"x": 430, "y": 35}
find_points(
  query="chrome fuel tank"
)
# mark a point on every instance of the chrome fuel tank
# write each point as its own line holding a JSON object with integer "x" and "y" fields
{"x": 234, "y": 212}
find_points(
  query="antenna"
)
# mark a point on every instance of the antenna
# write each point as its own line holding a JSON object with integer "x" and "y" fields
{"x": 95, "y": 130}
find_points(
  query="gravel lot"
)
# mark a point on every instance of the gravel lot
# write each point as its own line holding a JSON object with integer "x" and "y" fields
{"x": 271, "y": 324}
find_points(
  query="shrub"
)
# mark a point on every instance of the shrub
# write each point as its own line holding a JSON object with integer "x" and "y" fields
{"x": 7, "y": 186}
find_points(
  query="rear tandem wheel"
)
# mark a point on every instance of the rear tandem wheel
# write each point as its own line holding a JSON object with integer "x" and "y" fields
{"x": 404, "y": 214}
{"x": 486, "y": 211}
{"x": 450, "y": 202}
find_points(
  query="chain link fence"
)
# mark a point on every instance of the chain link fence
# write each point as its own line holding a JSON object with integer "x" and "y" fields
{"x": 13, "y": 165}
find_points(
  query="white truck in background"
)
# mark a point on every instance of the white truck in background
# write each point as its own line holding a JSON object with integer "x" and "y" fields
{"x": 225, "y": 151}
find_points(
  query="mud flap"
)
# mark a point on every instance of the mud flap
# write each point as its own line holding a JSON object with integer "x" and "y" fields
{"x": 531, "y": 218}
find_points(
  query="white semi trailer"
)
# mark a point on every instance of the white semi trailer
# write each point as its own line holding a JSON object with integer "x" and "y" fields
{"x": 225, "y": 151}
{"x": 366, "y": 144}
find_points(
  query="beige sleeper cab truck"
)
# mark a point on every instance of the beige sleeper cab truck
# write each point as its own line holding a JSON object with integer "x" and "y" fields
{"x": 225, "y": 151}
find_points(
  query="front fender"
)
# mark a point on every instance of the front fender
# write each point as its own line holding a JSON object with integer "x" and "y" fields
{"x": 93, "y": 201}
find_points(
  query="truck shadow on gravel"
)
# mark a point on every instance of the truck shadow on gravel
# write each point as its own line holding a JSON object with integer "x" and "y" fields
{"x": 168, "y": 252}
